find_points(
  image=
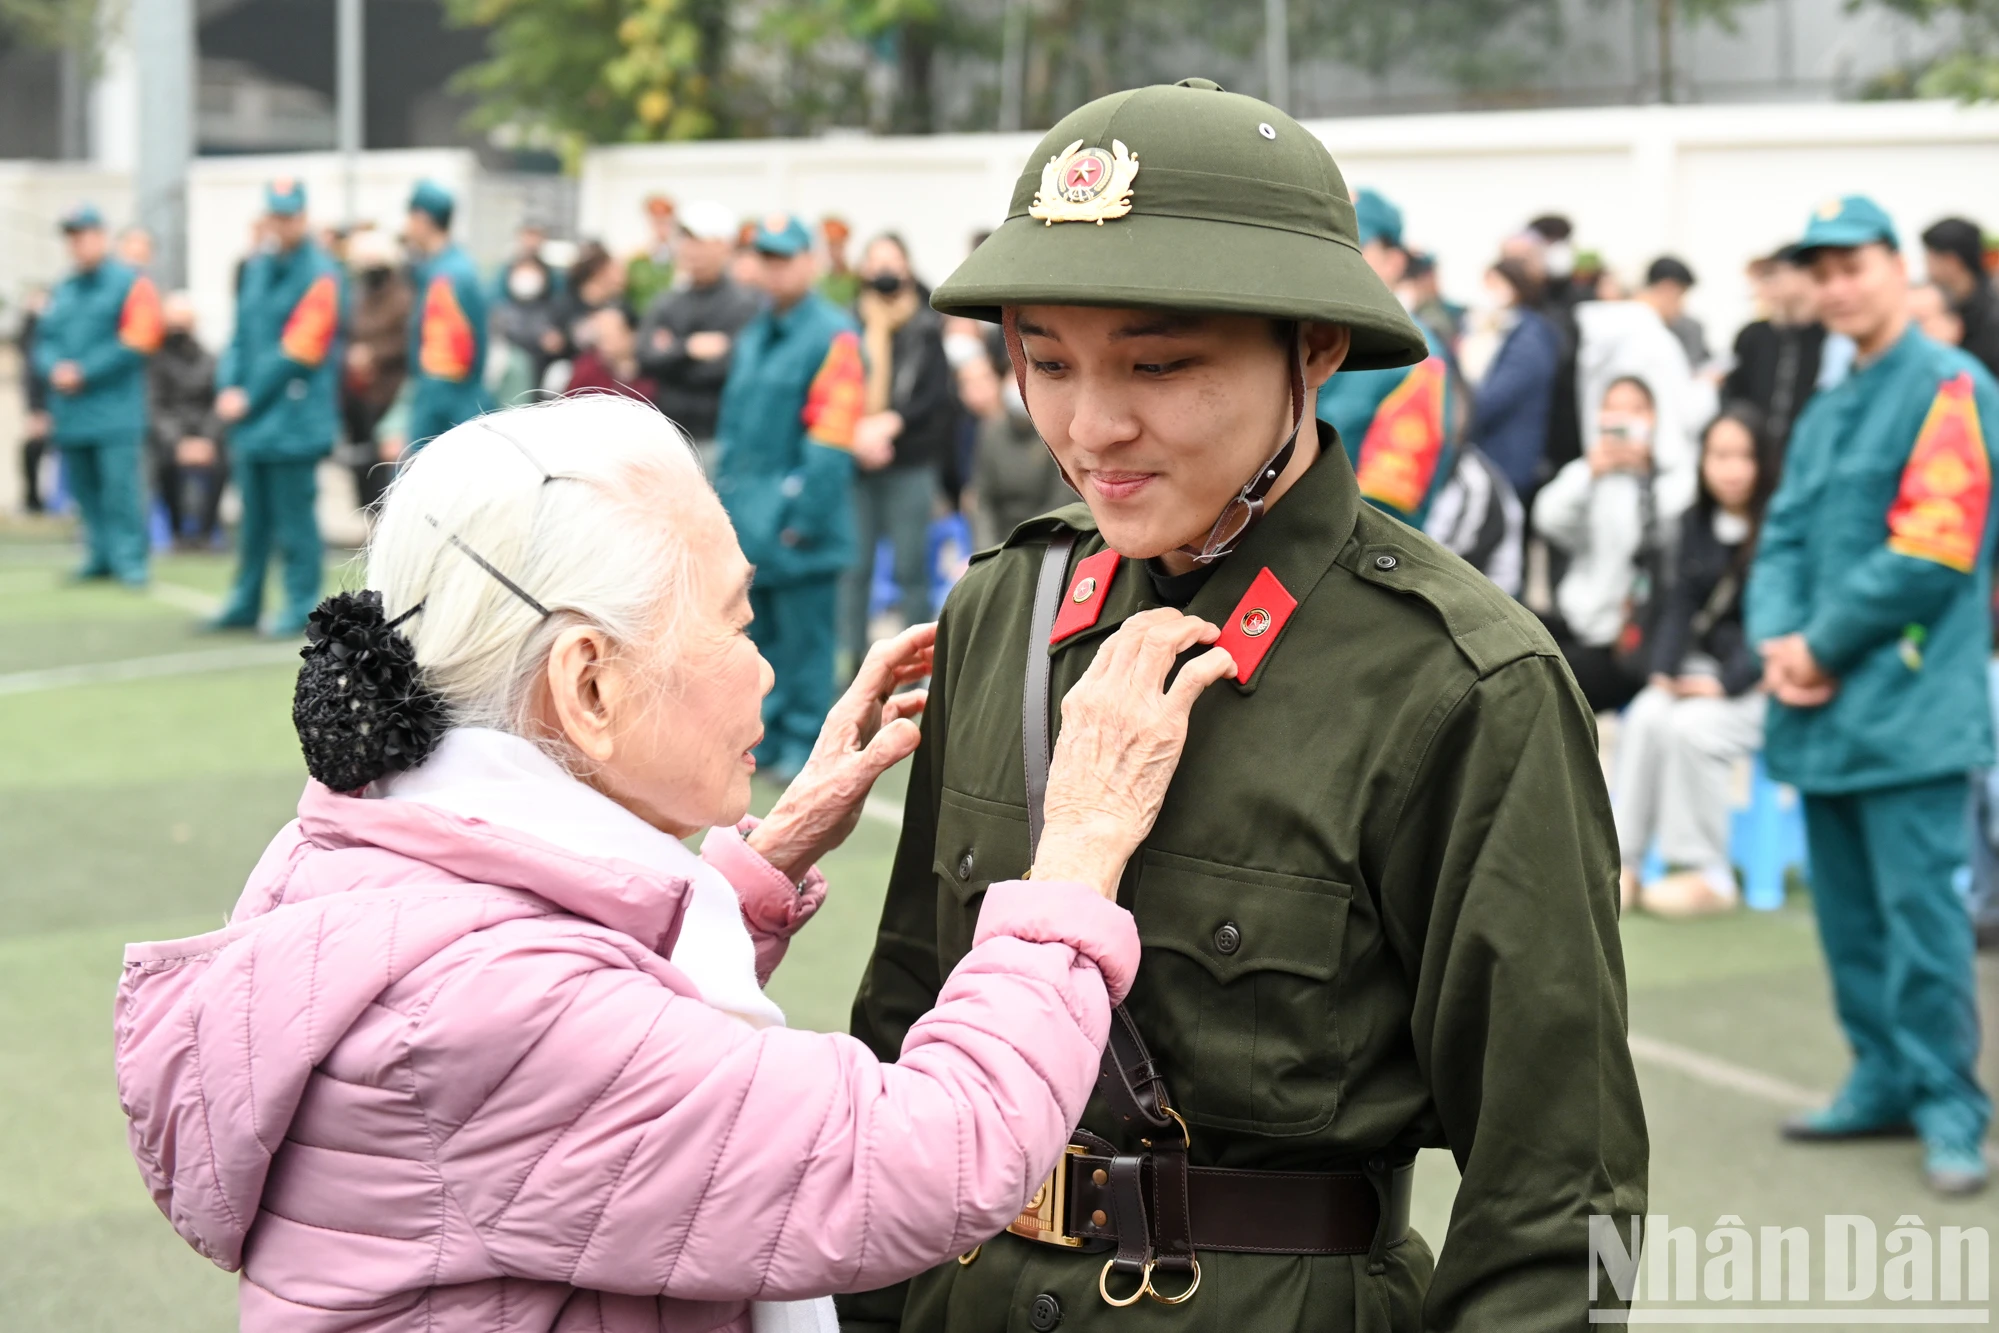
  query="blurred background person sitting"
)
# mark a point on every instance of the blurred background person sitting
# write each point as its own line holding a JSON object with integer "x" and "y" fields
{"x": 610, "y": 360}
{"x": 189, "y": 470}
{"x": 690, "y": 329}
{"x": 1778, "y": 354}
{"x": 1601, "y": 510}
{"x": 904, "y": 438}
{"x": 377, "y": 356}
{"x": 1510, "y": 354}
{"x": 1954, "y": 258}
{"x": 1702, "y": 711}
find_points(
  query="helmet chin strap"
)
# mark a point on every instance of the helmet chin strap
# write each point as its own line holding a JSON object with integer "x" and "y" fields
{"x": 1229, "y": 527}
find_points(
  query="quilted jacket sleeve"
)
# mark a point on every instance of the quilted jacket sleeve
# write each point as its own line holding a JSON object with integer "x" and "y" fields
{"x": 597, "y": 1127}
{"x": 774, "y": 908}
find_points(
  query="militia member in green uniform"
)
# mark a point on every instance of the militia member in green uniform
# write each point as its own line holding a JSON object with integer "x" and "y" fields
{"x": 1870, "y": 599}
{"x": 1379, "y": 906}
{"x": 447, "y": 326}
{"x": 278, "y": 390}
{"x": 1399, "y": 425}
{"x": 91, "y": 346}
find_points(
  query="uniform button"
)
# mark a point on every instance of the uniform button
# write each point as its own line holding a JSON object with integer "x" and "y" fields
{"x": 1385, "y": 562}
{"x": 965, "y": 865}
{"x": 1228, "y": 938}
{"x": 1045, "y": 1313}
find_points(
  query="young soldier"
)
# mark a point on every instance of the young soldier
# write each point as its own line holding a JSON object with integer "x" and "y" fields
{"x": 91, "y": 346}
{"x": 1379, "y": 905}
{"x": 1869, "y": 599}
{"x": 277, "y": 392}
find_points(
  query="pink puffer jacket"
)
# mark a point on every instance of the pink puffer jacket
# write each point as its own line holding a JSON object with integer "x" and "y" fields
{"x": 439, "y": 1075}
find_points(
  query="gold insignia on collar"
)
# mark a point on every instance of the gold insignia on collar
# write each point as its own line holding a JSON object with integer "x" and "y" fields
{"x": 1085, "y": 185}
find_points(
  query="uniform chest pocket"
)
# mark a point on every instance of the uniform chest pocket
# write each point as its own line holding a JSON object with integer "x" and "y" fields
{"x": 978, "y": 842}
{"x": 1236, "y": 993}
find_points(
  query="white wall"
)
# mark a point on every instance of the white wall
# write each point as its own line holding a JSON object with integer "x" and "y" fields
{"x": 33, "y": 198}
{"x": 1715, "y": 185}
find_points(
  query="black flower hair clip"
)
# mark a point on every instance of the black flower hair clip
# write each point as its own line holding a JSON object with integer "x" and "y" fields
{"x": 362, "y": 707}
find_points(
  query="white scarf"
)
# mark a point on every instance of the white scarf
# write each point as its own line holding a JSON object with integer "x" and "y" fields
{"x": 502, "y": 779}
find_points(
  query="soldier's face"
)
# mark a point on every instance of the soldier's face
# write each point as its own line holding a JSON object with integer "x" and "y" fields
{"x": 1862, "y": 292}
{"x": 1160, "y": 417}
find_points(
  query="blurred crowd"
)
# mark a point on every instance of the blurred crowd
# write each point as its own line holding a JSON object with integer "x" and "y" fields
{"x": 1576, "y": 434}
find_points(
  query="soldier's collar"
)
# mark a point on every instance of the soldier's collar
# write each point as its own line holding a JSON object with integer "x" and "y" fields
{"x": 1296, "y": 542}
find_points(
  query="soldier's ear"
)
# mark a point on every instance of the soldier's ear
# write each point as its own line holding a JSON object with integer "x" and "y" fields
{"x": 1325, "y": 348}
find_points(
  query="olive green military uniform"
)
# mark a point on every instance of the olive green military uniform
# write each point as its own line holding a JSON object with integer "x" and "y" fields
{"x": 1378, "y": 906}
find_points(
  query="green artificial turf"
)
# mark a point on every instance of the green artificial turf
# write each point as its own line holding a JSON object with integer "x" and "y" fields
{"x": 135, "y": 810}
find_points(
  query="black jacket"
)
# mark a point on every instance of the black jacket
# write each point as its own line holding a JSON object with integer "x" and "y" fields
{"x": 1700, "y": 565}
{"x": 924, "y": 389}
{"x": 690, "y": 391}
{"x": 180, "y": 382}
{"x": 1776, "y": 368}
{"x": 1981, "y": 324}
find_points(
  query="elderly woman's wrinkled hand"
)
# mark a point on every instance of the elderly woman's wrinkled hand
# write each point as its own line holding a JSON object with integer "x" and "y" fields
{"x": 871, "y": 728}
{"x": 1122, "y": 732}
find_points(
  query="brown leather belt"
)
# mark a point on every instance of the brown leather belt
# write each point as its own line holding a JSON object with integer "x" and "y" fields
{"x": 1235, "y": 1211}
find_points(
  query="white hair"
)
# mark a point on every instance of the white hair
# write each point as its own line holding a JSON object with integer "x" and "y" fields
{"x": 585, "y": 503}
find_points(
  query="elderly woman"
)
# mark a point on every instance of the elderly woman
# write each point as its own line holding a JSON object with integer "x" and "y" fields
{"x": 486, "y": 1046}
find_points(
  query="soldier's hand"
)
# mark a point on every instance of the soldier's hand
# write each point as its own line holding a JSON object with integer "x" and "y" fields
{"x": 66, "y": 377}
{"x": 232, "y": 404}
{"x": 870, "y": 729}
{"x": 1123, "y": 729}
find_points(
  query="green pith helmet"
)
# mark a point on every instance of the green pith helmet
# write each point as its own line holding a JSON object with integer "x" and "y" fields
{"x": 1185, "y": 197}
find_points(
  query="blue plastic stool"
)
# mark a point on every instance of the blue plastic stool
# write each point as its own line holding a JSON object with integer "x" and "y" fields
{"x": 948, "y": 534}
{"x": 159, "y": 527}
{"x": 951, "y": 531}
{"x": 1766, "y": 838}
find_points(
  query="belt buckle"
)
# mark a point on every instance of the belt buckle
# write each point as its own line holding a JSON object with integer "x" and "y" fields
{"x": 1046, "y": 1214}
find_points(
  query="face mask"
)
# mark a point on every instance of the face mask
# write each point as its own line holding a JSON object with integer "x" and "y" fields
{"x": 1560, "y": 257}
{"x": 526, "y": 283}
{"x": 887, "y": 284}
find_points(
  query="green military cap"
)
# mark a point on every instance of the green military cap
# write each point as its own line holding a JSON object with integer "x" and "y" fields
{"x": 1841, "y": 224}
{"x": 1186, "y": 197}
{"x": 284, "y": 197}
{"x": 431, "y": 198}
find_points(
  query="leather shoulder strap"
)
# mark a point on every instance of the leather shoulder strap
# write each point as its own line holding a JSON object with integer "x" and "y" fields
{"x": 1129, "y": 1079}
{"x": 1034, "y": 745}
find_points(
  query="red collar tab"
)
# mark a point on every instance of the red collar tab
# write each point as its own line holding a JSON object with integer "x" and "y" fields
{"x": 1255, "y": 624}
{"x": 1083, "y": 602}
